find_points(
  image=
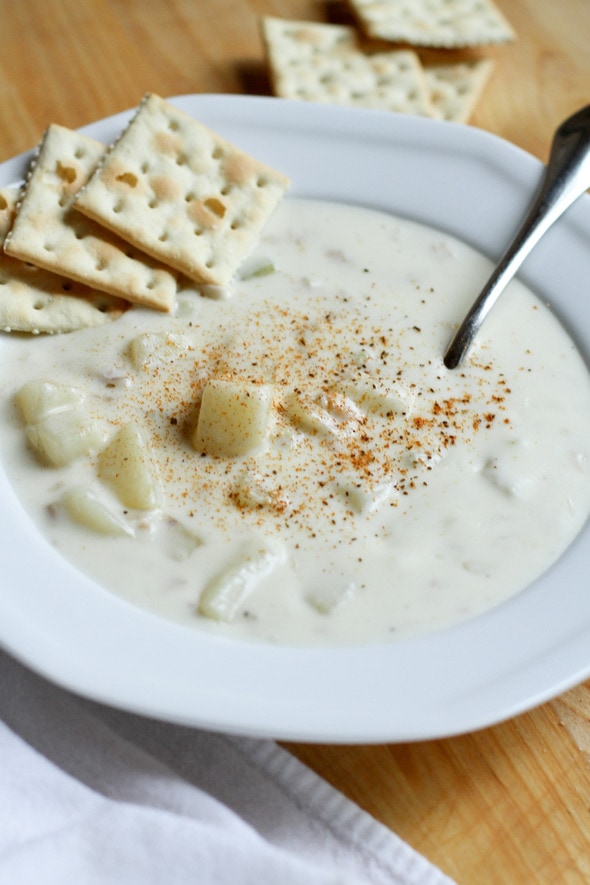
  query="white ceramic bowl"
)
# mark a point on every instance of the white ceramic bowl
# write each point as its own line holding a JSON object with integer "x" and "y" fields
{"x": 476, "y": 187}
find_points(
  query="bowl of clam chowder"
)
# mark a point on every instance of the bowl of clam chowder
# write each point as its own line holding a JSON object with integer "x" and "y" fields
{"x": 272, "y": 510}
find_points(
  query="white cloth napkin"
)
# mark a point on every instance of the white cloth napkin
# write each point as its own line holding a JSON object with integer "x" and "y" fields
{"x": 89, "y": 795}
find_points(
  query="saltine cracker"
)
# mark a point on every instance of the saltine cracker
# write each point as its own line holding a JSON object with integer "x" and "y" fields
{"x": 37, "y": 301}
{"x": 456, "y": 88}
{"x": 449, "y": 24}
{"x": 50, "y": 233}
{"x": 180, "y": 192}
{"x": 325, "y": 63}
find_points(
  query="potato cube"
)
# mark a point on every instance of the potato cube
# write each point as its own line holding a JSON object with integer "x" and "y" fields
{"x": 233, "y": 419}
{"x": 85, "y": 508}
{"x": 153, "y": 348}
{"x": 56, "y": 425}
{"x": 63, "y": 436}
{"x": 36, "y": 399}
{"x": 310, "y": 415}
{"x": 252, "y": 491}
{"x": 376, "y": 398}
{"x": 321, "y": 413}
{"x": 126, "y": 464}
{"x": 228, "y": 590}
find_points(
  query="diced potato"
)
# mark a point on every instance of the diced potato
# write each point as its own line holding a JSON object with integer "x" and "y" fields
{"x": 254, "y": 492}
{"x": 36, "y": 399}
{"x": 126, "y": 464}
{"x": 233, "y": 419}
{"x": 85, "y": 508}
{"x": 342, "y": 407}
{"x": 379, "y": 399}
{"x": 327, "y": 596}
{"x": 228, "y": 590}
{"x": 151, "y": 348}
{"x": 309, "y": 415}
{"x": 56, "y": 425}
{"x": 63, "y": 436}
{"x": 321, "y": 413}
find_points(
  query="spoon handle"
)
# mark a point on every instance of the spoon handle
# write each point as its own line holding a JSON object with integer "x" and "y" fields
{"x": 567, "y": 176}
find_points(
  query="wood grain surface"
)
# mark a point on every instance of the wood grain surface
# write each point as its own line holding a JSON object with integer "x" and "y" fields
{"x": 509, "y": 804}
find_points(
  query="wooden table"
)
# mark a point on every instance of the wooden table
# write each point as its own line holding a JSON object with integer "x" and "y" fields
{"x": 509, "y": 804}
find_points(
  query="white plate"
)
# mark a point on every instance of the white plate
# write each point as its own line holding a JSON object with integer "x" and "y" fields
{"x": 470, "y": 184}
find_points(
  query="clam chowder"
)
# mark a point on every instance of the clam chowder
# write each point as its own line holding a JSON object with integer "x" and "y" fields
{"x": 290, "y": 461}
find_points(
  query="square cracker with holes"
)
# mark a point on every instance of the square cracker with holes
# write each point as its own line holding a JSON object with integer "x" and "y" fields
{"x": 180, "y": 192}
{"x": 51, "y": 234}
{"x": 456, "y": 88}
{"x": 325, "y": 63}
{"x": 445, "y": 23}
{"x": 35, "y": 300}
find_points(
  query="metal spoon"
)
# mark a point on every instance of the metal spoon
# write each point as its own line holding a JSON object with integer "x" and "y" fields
{"x": 567, "y": 176}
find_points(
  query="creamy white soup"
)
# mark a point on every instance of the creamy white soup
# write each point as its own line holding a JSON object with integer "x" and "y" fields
{"x": 290, "y": 461}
